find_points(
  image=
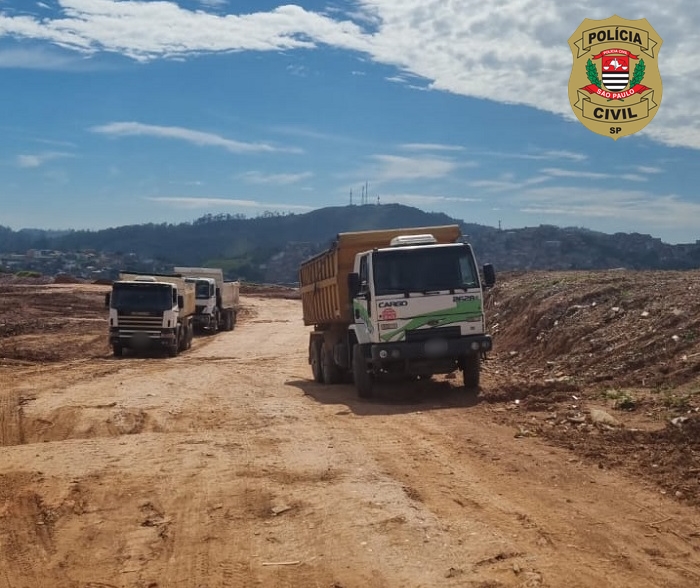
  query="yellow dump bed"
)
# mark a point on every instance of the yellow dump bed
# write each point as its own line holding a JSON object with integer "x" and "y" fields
{"x": 323, "y": 279}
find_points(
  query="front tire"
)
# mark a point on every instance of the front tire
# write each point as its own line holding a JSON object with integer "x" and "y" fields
{"x": 190, "y": 335}
{"x": 363, "y": 379}
{"x": 471, "y": 371}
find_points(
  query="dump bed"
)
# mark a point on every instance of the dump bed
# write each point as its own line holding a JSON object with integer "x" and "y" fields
{"x": 187, "y": 291}
{"x": 230, "y": 294}
{"x": 323, "y": 279}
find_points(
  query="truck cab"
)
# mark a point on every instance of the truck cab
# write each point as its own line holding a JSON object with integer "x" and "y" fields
{"x": 145, "y": 312}
{"x": 417, "y": 308}
{"x": 206, "y": 308}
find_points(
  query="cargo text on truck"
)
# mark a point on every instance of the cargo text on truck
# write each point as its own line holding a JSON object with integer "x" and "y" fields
{"x": 396, "y": 301}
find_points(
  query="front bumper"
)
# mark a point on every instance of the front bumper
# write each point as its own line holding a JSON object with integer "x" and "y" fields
{"x": 436, "y": 348}
{"x": 134, "y": 338}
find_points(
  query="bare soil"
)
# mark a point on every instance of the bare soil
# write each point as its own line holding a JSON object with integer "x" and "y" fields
{"x": 576, "y": 465}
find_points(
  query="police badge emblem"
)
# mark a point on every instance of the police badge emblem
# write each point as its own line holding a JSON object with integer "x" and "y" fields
{"x": 615, "y": 84}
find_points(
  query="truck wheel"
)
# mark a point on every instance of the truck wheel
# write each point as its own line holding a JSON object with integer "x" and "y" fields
{"x": 117, "y": 350}
{"x": 190, "y": 335}
{"x": 173, "y": 350}
{"x": 182, "y": 338}
{"x": 363, "y": 379}
{"x": 229, "y": 320}
{"x": 471, "y": 371}
{"x": 331, "y": 373}
{"x": 315, "y": 360}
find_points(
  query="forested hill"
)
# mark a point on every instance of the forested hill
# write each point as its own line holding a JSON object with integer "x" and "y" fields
{"x": 270, "y": 246}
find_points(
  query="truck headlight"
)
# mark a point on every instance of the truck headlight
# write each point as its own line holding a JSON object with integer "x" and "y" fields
{"x": 383, "y": 354}
{"x": 475, "y": 345}
{"x": 395, "y": 353}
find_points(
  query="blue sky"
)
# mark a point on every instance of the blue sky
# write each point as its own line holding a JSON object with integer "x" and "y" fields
{"x": 123, "y": 112}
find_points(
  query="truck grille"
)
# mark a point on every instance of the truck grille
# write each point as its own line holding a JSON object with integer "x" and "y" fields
{"x": 433, "y": 333}
{"x": 140, "y": 323}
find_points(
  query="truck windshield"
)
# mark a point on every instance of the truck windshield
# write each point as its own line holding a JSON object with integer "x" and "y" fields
{"x": 430, "y": 269}
{"x": 142, "y": 297}
{"x": 202, "y": 289}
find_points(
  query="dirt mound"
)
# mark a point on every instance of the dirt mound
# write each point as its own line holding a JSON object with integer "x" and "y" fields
{"x": 572, "y": 346}
{"x": 269, "y": 291}
{"x": 619, "y": 328}
{"x": 47, "y": 322}
{"x": 67, "y": 279}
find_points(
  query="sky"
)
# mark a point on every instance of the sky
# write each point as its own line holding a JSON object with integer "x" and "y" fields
{"x": 117, "y": 112}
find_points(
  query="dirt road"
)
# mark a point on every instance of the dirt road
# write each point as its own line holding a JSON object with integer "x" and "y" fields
{"x": 228, "y": 466}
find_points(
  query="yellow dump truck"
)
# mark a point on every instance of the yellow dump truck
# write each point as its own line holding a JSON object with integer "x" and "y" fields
{"x": 147, "y": 310}
{"x": 395, "y": 301}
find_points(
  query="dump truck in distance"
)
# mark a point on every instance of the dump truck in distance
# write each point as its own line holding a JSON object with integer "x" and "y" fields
{"x": 150, "y": 310}
{"x": 396, "y": 301}
{"x": 217, "y": 301}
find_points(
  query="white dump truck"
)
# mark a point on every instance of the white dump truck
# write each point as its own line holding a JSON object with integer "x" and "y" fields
{"x": 217, "y": 301}
{"x": 147, "y": 311}
{"x": 397, "y": 301}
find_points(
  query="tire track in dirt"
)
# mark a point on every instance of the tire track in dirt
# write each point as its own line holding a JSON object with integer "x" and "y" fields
{"x": 227, "y": 466}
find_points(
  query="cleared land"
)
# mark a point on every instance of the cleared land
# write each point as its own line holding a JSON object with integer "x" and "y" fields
{"x": 577, "y": 465}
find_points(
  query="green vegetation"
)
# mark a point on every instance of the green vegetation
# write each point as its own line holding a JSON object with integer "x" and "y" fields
{"x": 28, "y": 274}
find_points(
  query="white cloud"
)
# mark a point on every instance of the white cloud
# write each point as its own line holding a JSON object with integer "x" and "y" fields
{"x": 213, "y": 3}
{"x": 637, "y": 208}
{"x": 255, "y": 177}
{"x": 424, "y": 199}
{"x": 588, "y": 175}
{"x": 39, "y": 159}
{"x": 125, "y": 129}
{"x": 514, "y": 52}
{"x": 430, "y": 147}
{"x": 395, "y": 167}
{"x": 506, "y": 183}
{"x": 189, "y": 203}
{"x": 147, "y": 30}
{"x": 40, "y": 58}
{"x": 538, "y": 154}
{"x": 648, "y": 169}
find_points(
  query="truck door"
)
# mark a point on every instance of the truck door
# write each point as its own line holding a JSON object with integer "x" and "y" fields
{"x": 362, "y": 304}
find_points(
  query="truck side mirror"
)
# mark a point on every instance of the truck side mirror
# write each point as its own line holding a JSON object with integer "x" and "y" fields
{"x": 180, "y": 302}
{"x": 107, "y": 299}
{"x": 353, "y": 284}
{"x": 489, "y": 275}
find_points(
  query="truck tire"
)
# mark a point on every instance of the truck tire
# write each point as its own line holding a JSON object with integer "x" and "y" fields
{"x": 229, "y": 320}
{"x": 471, "y": 371}
{"x": 331, "y": 373}
{"x": 117, "y": 350}
{"x": 176, "y": 347}
{"x": 315, "y": 360}
{"x": 190, "y": 335}
{"x": 363, "y": 379}
{"x": 182, "y": 338}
